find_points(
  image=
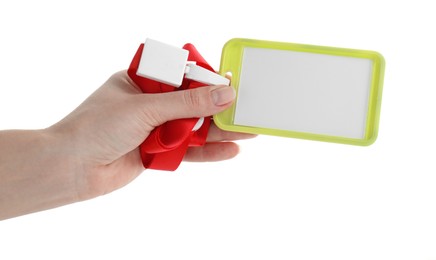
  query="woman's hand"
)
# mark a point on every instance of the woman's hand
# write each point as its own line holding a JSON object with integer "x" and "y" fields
{"x": 94, "y": 150}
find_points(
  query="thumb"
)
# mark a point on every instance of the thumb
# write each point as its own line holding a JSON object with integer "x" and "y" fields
{"x": 199, "y": 102}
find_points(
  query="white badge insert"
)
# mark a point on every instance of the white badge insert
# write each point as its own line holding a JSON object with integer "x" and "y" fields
{"x": 304, "y": 92}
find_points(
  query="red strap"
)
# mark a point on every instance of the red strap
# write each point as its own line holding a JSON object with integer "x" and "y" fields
{"x": 166, "y": 145}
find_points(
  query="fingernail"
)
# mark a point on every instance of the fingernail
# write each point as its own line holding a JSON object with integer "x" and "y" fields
{"x": 223, "y": 95}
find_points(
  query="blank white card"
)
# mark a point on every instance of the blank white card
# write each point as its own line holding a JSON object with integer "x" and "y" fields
{"x": 304, "y": 92}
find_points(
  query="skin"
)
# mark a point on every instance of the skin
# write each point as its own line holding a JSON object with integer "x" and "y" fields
{"x": 94, "y": 150}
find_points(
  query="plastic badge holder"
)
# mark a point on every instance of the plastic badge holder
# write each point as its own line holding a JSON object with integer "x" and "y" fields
{"x": 303, "y": 91}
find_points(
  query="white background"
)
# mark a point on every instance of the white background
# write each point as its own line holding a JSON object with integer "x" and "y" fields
{"x": 280, "y": 198}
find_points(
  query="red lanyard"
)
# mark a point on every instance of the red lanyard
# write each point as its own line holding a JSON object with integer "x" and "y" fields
{"x": 167, "y": 144}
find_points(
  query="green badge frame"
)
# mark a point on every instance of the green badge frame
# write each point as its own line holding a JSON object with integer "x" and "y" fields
{"x": 303, "y": 91}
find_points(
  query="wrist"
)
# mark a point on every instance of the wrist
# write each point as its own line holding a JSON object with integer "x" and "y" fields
{"x": 35, "y": 173}
{"x": 75, "y": 154}
{"x": 68, "y": 159}
{"x": 59, "y": 167}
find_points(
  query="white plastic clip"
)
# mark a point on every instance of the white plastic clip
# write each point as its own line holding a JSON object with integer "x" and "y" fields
{"x": 203, "y": 75}
{"x": 168, "y": 64}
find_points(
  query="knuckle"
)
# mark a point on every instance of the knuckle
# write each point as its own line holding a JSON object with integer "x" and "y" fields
{"x": 192, "y": 98}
